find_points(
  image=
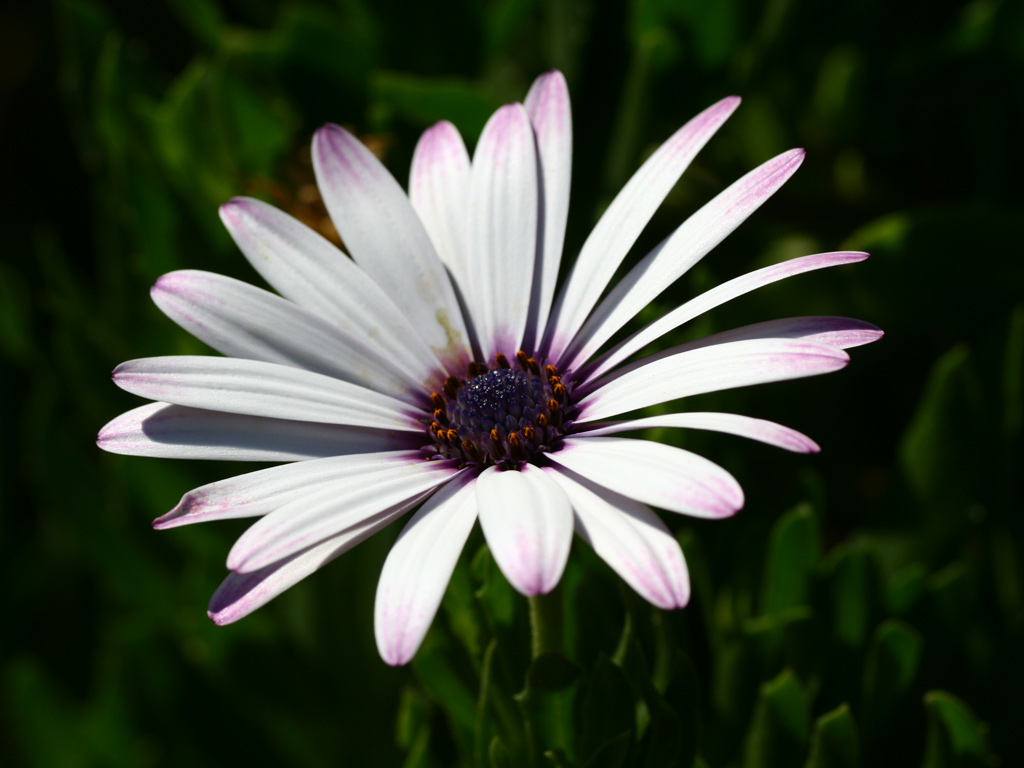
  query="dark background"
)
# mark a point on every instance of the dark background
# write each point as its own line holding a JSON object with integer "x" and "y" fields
{"x": 124, "y": 125}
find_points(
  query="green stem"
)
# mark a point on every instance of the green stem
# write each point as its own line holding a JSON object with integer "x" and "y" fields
{"x": 546, "y": 622}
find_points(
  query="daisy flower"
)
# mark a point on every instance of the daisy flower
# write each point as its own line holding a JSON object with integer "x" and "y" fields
{"x": 436, "y": 368}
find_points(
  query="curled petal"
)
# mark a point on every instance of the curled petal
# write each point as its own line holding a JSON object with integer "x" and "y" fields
{"x": 255, "y": 388}
{"x": 177, "y": 432}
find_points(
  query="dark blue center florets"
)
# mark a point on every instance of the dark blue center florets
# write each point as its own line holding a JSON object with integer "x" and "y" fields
{"x": 504, "y": 416}
{"x": 498, "y": 397}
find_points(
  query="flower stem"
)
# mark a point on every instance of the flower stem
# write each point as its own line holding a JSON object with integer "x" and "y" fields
{"x": 546, "y": 622}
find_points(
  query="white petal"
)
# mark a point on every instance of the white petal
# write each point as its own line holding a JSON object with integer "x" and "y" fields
{"x": 656, "y": 474}
{"x": 709, "y": 369}
{"x": 306, "y": 268}
{"x": 744, "y": 426}
{"x": 255, "y": 494}
{"x": 502, "y": 235}
{"x": 242, "y": 593}
{"x": 240, "y": 320}
{"x": 630, "y": 538}
{"x": 419, "y": 567}
{"x": 176, "y": 432}
{"x": 838, "y": 332}
{"x": 255, "y": 388}
{"x": 623, "y": 221}
{"x": 527, "y": 521}
{"x": 677, "y": 253}
{"x": 548, "y": 106}
{"x": 439, "y": 190}
{"x": 716, "y": 297}
{"x": 386, "y": 238}
{"x": 338, "y": 506}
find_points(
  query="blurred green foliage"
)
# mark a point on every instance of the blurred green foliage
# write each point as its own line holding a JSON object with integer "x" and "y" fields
{"x": 878, "y": 622}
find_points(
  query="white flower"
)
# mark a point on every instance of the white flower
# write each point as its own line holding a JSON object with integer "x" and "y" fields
{"x": 435, "y": 369}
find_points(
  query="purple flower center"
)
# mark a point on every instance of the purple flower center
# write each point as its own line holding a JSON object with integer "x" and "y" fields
{"x": 500, "y": 415}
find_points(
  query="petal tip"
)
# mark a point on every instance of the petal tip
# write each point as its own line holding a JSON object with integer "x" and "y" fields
{"x": 221, "y": 618}
{"x": 679, "y": 601}
{"x": 397, "y": 656}
{"x": 232, "y": 211}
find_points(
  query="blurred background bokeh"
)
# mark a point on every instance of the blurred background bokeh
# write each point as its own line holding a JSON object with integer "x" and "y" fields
{"x": 866, "y": 608}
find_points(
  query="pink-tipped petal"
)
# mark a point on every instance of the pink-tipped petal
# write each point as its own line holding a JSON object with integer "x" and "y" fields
{"x": 176, "y": 432}
{"x": 527, "y": 521}
{"x": 767, "y": 432}
{"x": 502, "y": 234}
{"x": 630, "y": 538}
{"x": 656, "y": 474}
{"x": 340, "y": 505}
{"x": 419, "y": 567}
{"x": 242, "y": 593}
{"x": 622, "y": 222}
{"x": 381, "y": 230}
{"x": 694, "y": 238}
{"x": 548, "y": 106}
{"x": 240, "y": 320}
{"x": 256, "y": 388}
{"x": 304, "y": 267}
{"x": 255, "y": 494}
{"x": 838, "y": 332}
{"x": 714, "y": 298}
{"x": 439, "y": 191}
{"x": 676, "y": 374}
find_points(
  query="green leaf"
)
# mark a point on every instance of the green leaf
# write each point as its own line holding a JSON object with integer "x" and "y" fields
{"x": 551, "y": 671}
{"x": 1013, "y": 375}
{"x": 496, "y": 596}
{"x": 325, "y": 47}
{"x": 607, "y": 713}
{"x": 793, "y": 553}
{"x": 665, "y": 739}
{"x": 418, "y": 755}
{"x": 462, "y": 610}
{"x": 15, "y": 316}
{"x": 559, "y": 758}
{"x": 956, "y": 738}
{"x": 498, "y": 755}
{"x": 889, "y": 669}
{"x": 413, "y": 716}
{"x": 940, "y": 453}
{"x": 905, "y": 587}
{"x": 952, "y": 593}
{"x": 424, "y": 100}
{"x": 835, "y": 743}
{"x": 781, "y": 726}
{"x": 202, "y": 17}
{"x": 612, "y": 753}
{"x": 848, "y": 576}
{"x": 685, "y": 697}
{"x": 447, "y": 685}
